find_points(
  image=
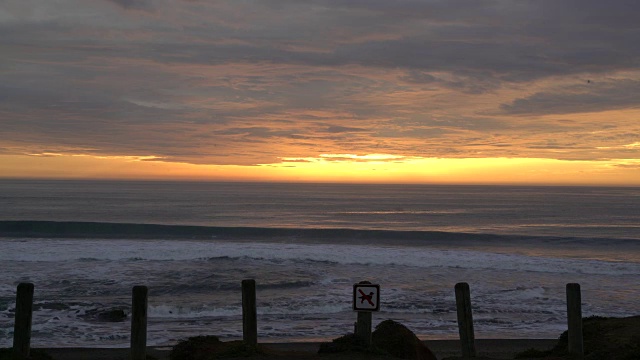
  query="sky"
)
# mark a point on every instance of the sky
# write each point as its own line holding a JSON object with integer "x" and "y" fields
{"x": 389, "y": 91}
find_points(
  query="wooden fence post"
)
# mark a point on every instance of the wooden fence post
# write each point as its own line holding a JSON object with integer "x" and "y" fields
{"x": 22, "y": 321}
{"x": 139, "y": 323}
{"x": 465, "y": 320}
{"x": 249, "y": 318}
{"x": 364, "y": 319}
{"x": 574, "y": 320}
{"x": 363, "y": 326}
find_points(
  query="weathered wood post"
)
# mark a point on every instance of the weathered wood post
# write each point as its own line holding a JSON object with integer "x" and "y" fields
{"x": 139, "y": 323}
{"x": 249, "y": 317}
{"x": 574, "y": 320}
{"x": 465, "y": 320}
{"x": 22, "y": 323}
{"x": 363, "y": 326}
{"x": 366, "y": 299}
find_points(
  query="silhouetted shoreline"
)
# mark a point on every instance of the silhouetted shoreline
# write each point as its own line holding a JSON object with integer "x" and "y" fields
{"x": 493, "y": 348}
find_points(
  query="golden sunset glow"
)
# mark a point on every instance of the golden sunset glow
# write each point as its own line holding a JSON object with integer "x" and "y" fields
{"x": 372, "y": 168}
{"x": 385, "y": 92}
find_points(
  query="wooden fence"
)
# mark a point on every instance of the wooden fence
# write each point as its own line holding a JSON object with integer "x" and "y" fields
{"x": 24, "y": 311}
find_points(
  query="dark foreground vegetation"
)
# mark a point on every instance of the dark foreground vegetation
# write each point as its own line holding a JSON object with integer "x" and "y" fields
{"x": 604, "y": 339}
{"x": 390, "y": 340}
{"x": 35, "y": 354}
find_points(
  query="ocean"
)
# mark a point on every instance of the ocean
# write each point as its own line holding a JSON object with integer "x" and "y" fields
{"x": 85, "y": 244}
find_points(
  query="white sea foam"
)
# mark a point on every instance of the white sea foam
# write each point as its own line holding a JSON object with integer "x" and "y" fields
{"x": 304, "y": 289}
{"x": 419, "y": 257}
{"x": 185, "y": 312}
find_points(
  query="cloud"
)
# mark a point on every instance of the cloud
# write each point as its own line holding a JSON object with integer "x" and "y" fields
{"x": 230, "y": 82}
{"x": 632, "y": 166}
{"x": 488, "y": 40}
{"x": 132, "y": 4}
{"x": 585, "y": 97}
{"x": 472, "y": 84}
{"x": 343, "y": 129}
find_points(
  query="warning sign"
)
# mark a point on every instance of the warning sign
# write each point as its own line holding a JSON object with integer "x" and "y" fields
{"x": 366, "y": 297}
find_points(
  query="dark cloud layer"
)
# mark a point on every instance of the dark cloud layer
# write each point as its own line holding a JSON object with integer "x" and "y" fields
{"x": 586, "y": 97}
{"x": 131, "y": 4}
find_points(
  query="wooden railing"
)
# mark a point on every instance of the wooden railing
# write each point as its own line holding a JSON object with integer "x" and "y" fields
{"x": 24, "y": 310}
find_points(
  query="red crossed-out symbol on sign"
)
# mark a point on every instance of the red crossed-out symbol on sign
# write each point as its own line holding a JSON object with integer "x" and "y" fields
{"x": 366, "y": 297}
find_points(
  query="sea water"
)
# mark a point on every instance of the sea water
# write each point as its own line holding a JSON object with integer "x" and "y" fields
{"x": 306, "y": 245}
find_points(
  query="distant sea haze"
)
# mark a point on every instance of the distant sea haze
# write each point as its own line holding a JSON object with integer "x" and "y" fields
{"x": 84, "y": 244}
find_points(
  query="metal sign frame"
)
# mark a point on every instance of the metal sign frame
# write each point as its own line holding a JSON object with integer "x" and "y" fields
{"x": 366, "y": 297}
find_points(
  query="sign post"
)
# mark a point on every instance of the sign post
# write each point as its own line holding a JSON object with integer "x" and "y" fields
{"x": 366, "y": 299}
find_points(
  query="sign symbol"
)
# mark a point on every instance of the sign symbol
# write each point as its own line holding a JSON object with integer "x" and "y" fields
{"x": 366, "y": 297}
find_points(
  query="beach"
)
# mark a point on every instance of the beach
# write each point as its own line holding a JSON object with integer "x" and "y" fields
{"x": 489, "y": 348}
{"x": 306, "y": 245}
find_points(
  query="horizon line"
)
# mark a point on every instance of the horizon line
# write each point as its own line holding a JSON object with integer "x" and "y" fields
{"x": 318, "y": 182}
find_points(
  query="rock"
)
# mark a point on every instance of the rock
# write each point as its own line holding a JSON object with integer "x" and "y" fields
{"x": 345, "y": 343}
{"x": 397, "y": 340}
{"x": 34, "y": 354}
{"x": 390, "y": 339}
{"x": 603, "y": 338}
{"x": 106, "y": 315}
{"x": 210, "y": 347}
{"x": 113, "y": 315}
{"x": 195, "y": 348}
